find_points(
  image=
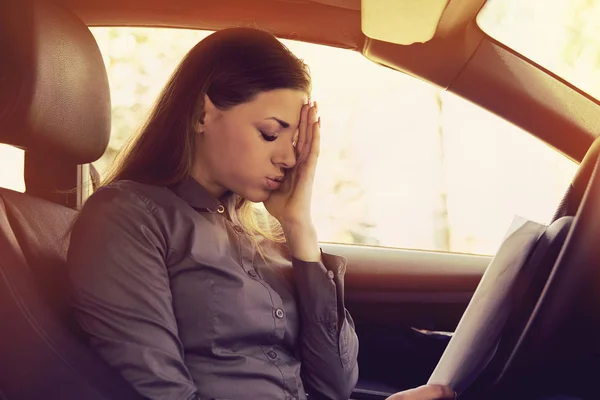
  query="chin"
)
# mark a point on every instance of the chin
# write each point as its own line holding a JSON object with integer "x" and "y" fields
{"x": 255, "y": 196}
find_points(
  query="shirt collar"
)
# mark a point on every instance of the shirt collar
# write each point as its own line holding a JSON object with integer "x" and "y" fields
{"x": 190, "y": 191}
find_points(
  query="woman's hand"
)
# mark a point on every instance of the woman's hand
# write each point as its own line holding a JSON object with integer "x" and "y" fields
{"x": 426, "y": 392}
{"x": 291, "y": 204}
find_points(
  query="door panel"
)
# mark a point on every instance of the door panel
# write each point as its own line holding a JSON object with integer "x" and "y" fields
{"x": 405, "y": 304}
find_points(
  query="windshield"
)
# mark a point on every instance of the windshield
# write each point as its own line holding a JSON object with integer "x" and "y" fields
{"x": 562, "y": 36}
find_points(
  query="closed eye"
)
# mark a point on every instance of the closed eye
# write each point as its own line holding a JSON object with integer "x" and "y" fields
{"x": 267, "y": 137}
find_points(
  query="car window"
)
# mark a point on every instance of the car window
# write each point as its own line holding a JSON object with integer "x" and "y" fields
{"x": 403, "y": 164}
{"x": 11, "y": 168}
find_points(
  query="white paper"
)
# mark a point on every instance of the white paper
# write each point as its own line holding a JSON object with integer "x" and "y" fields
{"x": 475, "y": 340}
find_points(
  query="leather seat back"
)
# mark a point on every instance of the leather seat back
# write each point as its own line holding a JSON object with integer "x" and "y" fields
{"x": 54, "y": 104}
{"x": 43, "y": 357}
{"x": 37, "y": 233}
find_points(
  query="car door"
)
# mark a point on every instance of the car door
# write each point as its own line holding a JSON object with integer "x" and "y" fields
{"x": 405, "y": 305}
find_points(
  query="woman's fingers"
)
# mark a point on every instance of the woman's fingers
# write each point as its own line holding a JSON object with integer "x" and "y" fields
{"x": 426, "y": 392}
{"x": 311, "y": 121}
{"x": 438, "y": 392}
{"x": 315, "y": 146}
{"x": 443, "y": 392}
{"x": 302, "y": 128}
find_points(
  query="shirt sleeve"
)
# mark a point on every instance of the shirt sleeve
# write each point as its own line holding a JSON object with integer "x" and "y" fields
{"x": 121, "y": 295}
{"x": 329, "y": 345}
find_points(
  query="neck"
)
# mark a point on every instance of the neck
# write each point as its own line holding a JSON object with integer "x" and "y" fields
{"x": 200, "y": 175}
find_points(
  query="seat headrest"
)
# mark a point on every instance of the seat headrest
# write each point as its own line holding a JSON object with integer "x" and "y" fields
{"x": 55, "y": 97}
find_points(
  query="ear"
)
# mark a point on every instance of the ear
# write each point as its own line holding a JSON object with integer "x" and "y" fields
{"x": 209, "y": 114}
{"x": 209, "y": 107}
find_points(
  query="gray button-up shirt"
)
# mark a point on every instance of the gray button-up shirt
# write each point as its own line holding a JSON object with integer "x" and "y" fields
{"x": 174, "y": 295}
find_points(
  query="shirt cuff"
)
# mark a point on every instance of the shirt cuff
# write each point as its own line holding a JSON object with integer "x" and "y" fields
{"x": 320, "y": 287}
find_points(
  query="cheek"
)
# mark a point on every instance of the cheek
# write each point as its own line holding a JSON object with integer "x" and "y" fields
{"x": 236, "y": 152}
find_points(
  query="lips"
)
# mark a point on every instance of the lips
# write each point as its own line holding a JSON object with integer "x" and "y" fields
{"x": 273, "y": 182}
{"x": 278, "y": 178}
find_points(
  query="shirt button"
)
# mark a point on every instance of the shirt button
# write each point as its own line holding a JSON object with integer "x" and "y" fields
{"x": 272, "y": 355}
{"x": 221, "y": 209}
{"x": 333, "y": 327}
{"x": 279, "y": 313}
{"x": 330, "y": 274}
{"x": 253, "y": 273}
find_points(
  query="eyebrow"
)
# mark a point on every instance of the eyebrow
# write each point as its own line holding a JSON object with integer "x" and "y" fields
{"x": 282, "y": 123}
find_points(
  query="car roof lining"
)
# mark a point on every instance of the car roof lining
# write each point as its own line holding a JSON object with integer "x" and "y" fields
{"x": 460, "y": 58}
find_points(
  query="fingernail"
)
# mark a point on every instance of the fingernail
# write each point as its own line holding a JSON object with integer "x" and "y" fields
{"x": 316, "y": 105}
{"x": 319, "y": 122}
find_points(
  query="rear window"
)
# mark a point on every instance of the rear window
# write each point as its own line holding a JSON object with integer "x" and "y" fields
{"x": 12, "y": 162}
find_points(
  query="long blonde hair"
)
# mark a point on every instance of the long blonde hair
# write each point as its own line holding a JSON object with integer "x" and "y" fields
{"x": 231, "y": 66}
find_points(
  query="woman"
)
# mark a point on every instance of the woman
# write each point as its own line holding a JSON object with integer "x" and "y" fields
{"x": 178, "y": 280}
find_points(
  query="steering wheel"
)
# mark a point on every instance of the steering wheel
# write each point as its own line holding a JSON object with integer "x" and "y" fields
{"x": 539, "y": 287}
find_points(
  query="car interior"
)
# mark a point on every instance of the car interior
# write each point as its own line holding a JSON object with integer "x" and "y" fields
{"x": 520, "y": 324}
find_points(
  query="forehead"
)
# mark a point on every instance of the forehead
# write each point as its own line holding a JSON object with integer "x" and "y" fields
{"x": 283, "y": 104}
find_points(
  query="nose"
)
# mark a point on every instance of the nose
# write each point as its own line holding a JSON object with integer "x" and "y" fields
{"x": 285, "y": 155}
